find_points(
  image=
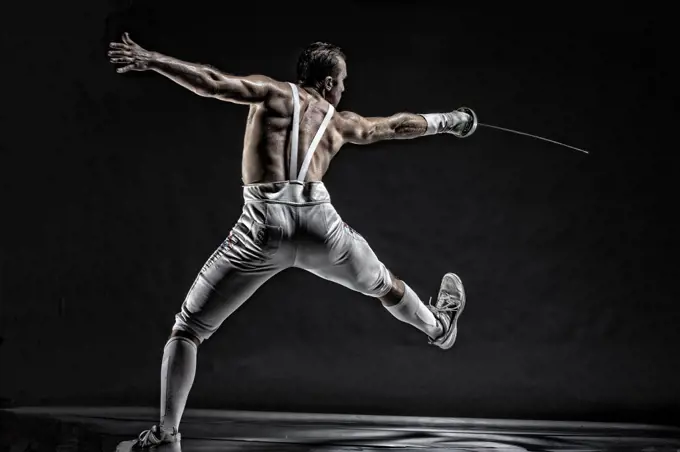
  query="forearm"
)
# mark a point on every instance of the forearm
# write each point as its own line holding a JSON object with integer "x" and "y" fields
{"x": 201, "y": 79}
{"x": 403, "y": 126}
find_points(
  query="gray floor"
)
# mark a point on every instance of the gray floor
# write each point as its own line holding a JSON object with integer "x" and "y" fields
{"x": 111, "y": 429}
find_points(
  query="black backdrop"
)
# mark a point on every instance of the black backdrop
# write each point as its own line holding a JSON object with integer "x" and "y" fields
{"x": 117, "y": 187}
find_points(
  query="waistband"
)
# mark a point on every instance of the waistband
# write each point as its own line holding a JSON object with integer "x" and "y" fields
{"x": 287, "y": 192}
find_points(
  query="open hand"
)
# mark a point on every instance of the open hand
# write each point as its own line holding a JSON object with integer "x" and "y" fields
{"x": 129, "y": 54}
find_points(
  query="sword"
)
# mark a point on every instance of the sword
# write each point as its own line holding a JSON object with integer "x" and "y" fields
{"x": 473, "y": 126}
{"x": 533, "y": 136}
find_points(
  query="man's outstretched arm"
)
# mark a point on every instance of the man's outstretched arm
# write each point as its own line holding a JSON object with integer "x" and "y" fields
{"x": 202, "y": 79}
{"x": 357, "y": 129}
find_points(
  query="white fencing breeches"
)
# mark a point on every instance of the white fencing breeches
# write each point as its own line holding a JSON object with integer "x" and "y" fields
{"x": 283, "y": 225}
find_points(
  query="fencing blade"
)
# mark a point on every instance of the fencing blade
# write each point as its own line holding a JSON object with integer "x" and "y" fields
{"x": 533, "y": 136}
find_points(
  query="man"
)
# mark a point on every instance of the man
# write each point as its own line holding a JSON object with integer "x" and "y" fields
{"x": 292, "y": 134}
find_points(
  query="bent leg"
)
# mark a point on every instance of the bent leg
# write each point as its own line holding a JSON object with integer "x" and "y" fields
{"x": 224, "y": 283}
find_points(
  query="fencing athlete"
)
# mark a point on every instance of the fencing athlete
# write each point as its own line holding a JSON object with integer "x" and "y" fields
{"x": 292, "y": 134}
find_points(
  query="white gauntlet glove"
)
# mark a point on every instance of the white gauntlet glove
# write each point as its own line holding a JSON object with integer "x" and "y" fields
{"x": 461, "y": 122}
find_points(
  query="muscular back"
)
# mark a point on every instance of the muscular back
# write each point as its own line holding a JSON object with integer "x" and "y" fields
{"x": 266, "y": 147}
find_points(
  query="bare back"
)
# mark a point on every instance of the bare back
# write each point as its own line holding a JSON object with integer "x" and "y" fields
{"x": 266, "y": 151}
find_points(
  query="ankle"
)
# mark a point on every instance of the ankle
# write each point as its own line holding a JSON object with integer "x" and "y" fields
{"x": 172, "y": 431}
{"x": 439, "y": 330}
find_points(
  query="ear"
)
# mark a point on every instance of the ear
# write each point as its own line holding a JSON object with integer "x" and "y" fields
{"x": 328, "y": 83}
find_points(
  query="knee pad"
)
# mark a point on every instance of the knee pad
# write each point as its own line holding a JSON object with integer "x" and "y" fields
{"x": 377, "y": 284}
{"x": 185, "y": 323}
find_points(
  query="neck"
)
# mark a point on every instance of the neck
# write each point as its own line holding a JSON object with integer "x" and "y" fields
{"x": 314, "y": 91}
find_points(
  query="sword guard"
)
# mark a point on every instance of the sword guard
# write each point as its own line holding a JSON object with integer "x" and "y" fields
{"x": 470, "y": 126}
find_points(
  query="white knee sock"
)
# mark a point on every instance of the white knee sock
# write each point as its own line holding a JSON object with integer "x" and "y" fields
{"x": 414, "y": 312}
{"x": 177, "y": 376}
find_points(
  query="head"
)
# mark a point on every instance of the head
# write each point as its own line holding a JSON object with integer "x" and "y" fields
{"x": 322, "y": 67}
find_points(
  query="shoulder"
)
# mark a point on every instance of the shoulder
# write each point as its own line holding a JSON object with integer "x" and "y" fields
{"x": 278, "y": 94}
{"x": 274, "y": 86}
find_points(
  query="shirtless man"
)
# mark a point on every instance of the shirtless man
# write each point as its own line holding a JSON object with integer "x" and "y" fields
{"x": 292, "y": 134}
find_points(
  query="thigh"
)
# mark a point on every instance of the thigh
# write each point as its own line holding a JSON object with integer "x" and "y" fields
{"x": 232, "y": 274}
{"x": 216, "y": 293}
{"x": 346, "y": 258}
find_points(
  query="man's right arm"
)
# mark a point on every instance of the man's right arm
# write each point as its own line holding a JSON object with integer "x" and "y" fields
{"x": 202, "y": 79}
{"x": 357, "y": 129}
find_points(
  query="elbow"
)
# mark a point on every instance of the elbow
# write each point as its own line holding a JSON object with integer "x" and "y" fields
{"x": 208, "y": 83}
{"x": 205, "y": 87}
{"x": 369, "y": 135}
{"x": 381, "y": 130}
{"x": 366, "y": 135}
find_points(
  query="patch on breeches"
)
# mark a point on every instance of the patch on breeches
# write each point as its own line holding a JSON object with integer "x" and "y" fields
{"x": 353, "y": 232}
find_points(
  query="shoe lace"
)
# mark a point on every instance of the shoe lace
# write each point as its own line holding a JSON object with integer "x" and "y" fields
{"x": 148, "y": 437}
{"x": 153, "y": 436}
{"x": 449, "y": 303}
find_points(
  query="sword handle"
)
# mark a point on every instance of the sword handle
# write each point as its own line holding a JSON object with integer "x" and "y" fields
{"x": 470, "y": 126}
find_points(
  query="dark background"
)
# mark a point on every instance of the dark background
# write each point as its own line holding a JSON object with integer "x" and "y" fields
{"x": 116, "y": 188}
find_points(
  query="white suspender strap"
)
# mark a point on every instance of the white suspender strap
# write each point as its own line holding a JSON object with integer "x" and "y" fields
{"x": 294, "y": 133}
{"x": 315, "y": 143}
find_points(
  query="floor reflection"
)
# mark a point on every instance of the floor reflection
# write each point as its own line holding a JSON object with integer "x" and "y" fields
{"x": 113, "y": 429}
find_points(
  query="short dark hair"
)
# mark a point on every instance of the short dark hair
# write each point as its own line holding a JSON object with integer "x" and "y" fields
{"x": 317, "y": 62}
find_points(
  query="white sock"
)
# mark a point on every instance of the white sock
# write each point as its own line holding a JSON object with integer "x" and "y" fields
{"x": 177, "y": 377}
{"x": 414, "y": 312}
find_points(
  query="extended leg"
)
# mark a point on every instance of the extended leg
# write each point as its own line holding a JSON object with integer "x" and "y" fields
{"x": 346, "y": 258}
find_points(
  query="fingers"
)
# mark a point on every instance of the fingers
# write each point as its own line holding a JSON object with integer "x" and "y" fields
{"x": 127, "y": 40}
{"x": 121, "y": 56}
{"x": 126, "y": 44}
{"x": 120, "y": 53}
{"x": 122, "y": 60}
{"x": 124, "y": 69}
